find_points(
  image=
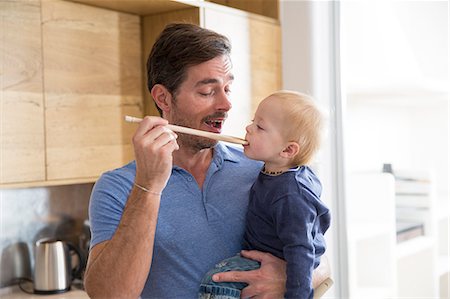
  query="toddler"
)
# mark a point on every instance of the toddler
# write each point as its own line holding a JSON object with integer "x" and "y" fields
{"x": 285, "y": 214}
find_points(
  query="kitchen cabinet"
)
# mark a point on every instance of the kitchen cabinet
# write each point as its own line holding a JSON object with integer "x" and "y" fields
{"x": 78, "y": 67}
{"x": 70, "y": 74}
{"x": 261, "y": 7}
{"x": 22, "y": 103}
{"x": 93, "y": 78}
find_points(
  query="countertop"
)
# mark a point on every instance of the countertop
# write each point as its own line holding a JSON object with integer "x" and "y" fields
{"x": 14, "y": 292}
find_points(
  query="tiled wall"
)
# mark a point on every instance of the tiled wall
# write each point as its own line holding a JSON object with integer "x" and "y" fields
{"x": 27, "y": 215}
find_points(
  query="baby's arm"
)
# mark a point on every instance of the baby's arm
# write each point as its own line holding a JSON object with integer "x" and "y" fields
{"x": 294, "y": 219}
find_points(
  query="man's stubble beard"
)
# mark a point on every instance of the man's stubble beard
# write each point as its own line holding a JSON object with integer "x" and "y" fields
{"x": 188, "y": 141}
{"x": 195, "y": 143}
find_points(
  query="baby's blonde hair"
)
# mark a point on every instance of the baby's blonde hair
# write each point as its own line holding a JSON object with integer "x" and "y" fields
{"x": 302, "y": 123}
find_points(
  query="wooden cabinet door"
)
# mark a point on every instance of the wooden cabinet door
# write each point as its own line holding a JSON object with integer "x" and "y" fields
{"x": 265, "y": 59}
{"x": 256, "y": 57}
{"x": 267, "y": 8}
{"x": 93, "y": 78}
{"x": 22, "y": 156}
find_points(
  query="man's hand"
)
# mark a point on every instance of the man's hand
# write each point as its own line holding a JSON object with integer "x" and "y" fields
{"x": 322, "y": 272}
{"x": 153, "y": 146}
{"x": 269, "y": 281}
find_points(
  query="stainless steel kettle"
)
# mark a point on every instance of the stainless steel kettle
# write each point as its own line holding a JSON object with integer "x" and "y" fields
{"x": 53, "y": 271}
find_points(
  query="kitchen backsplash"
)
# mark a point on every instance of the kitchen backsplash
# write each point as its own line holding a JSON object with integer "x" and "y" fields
{"x": 27, "y": 215}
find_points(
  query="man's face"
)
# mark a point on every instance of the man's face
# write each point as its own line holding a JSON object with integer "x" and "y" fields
{"x": 202, "y": 101}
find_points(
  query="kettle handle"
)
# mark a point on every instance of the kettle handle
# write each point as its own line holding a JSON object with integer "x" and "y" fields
{"x": 76, "y": 272}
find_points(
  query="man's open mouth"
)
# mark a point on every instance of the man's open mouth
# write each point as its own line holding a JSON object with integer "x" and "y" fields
{"x": 215, "y": 124}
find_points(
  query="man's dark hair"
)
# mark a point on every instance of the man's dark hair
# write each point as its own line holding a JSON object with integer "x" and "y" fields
{"x": 178, "y": 47}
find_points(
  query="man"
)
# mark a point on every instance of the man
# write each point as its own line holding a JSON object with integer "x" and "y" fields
{"x": 159, "y": 223}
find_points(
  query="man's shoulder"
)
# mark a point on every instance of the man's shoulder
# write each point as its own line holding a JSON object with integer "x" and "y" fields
{"x": 121, "y": 177}
{"x": 126, "y": 171}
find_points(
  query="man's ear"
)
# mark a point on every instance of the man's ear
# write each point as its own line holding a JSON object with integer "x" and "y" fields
{"x": 291, "y": 150}
{"x": 162, "y": 97}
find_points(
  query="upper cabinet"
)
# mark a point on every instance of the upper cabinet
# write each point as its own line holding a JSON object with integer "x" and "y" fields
{"x": 22, "y": 105}
{"x": 71, "y": 71}
{"x": 93, "y": 78}
{"x": 268, "y": 8}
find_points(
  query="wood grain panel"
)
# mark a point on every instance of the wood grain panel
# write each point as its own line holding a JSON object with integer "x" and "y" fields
{"x": 21, "y": 109}
{"x": 268, "y": 8}
{"x": 138, "y": 7}
{"x": 93, "y": 77}
{"x": 265, "y": 53}
{"x": 151, "y": 28}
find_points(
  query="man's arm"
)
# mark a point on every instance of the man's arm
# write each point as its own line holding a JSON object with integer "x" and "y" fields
{"x": 269, "y": 281}
{"x": 118, "y": 268}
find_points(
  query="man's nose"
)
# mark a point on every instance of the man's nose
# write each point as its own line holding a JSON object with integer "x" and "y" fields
{"x": 223, "y": 102}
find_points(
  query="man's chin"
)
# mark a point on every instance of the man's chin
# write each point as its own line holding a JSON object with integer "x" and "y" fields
{"x": 198, "y": 143}
{"x": 208, "y": 143}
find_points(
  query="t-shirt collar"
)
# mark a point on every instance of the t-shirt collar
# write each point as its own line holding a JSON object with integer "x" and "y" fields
{"x": 223, "y": 153}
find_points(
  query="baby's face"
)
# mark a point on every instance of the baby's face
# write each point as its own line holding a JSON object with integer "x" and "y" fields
{"x": 264, "y": 134}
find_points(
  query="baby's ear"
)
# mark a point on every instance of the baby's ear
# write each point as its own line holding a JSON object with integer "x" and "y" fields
{"x": 291, "y": 150}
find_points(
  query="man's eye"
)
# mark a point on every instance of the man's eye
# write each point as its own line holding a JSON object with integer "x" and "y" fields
{"x": 206, "y": 94}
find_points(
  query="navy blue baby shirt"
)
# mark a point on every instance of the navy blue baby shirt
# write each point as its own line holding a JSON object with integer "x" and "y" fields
{"x": 286, "y": 218}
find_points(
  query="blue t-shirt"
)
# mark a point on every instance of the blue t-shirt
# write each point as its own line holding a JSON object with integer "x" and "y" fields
{"x": 286, "y": 218}
{"x": 195, "y": 229}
